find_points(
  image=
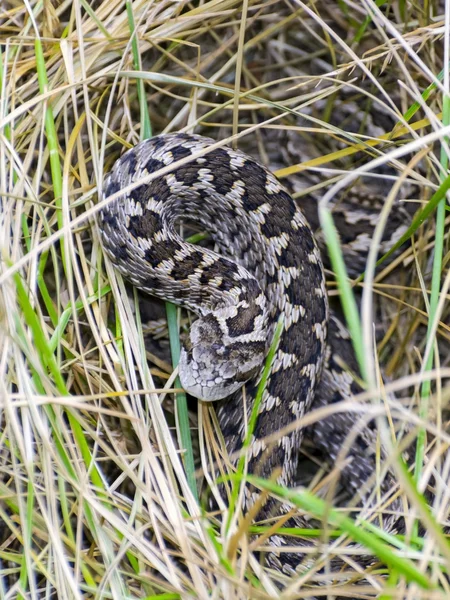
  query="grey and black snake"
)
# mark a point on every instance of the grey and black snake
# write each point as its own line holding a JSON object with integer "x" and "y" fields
{"x": 268, "y": 264}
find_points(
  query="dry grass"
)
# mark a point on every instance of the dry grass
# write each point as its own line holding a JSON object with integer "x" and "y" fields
{"x": 94, "y": 497}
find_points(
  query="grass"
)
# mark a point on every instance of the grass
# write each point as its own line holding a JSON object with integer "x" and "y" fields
{"x": 96, "y": 499}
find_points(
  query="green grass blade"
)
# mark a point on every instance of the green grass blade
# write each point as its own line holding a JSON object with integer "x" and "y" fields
{"x": 49, "y": 362}
{"x": 65, "y": 316}
{"x": 50, "y": 129}
{"x": 367, "y": 20}
{"x": 417, "y": 105}
{"x": 346, "y": 295}
{"x": 434, "y": 296}
{"x": 320, "y": 510}
{"x": 185, "y": 438}
{"x": 146, "y": 127}
{"x": 419, "y": 218}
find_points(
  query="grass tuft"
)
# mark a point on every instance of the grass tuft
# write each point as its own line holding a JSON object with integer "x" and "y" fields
{"x": 101, "y": 465}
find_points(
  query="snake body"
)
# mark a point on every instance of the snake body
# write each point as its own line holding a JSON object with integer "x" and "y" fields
{"x": 267, "y": 265}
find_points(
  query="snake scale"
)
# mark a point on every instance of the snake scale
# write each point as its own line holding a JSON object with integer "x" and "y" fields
{"x": 267, "y": 265}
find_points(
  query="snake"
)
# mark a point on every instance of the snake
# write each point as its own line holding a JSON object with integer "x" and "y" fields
{"x": 265, "y": 266}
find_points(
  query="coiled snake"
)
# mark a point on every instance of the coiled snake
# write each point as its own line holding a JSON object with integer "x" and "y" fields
{"x": 268, "y": 264}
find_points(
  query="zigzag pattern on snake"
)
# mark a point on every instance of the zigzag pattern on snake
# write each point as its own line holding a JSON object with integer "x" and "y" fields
{"x": 267, "y": 265}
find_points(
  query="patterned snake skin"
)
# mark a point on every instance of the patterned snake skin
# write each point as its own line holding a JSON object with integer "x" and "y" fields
{"x": 267, "y": 265}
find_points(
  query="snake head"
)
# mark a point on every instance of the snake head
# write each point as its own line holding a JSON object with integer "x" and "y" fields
{"x": 214, "y": 365}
